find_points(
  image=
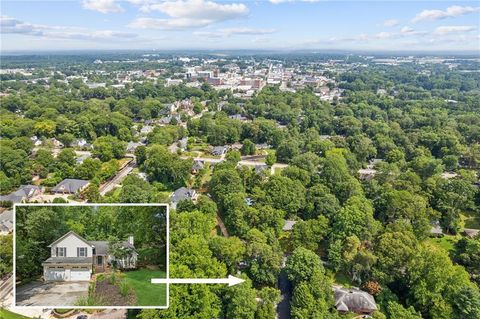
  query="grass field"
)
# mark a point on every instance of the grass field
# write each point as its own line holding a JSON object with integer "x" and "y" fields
{"x": 446, "y": 242}
{"x": 147, "y": 294}
{"x": 5, "y": 314}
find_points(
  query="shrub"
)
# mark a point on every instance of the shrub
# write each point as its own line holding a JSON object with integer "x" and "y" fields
{"x": 112, "y": 278}
{"x": 124, "y": 288}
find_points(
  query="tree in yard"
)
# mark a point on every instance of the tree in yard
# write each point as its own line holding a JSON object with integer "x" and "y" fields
{"x": 6, "y": 254}
{"x": 312, "y": 293}
{"x": 355, "y": 218}
{"x": 241, "y": 302}
{"x": 287, "y": 150}
{"x": 302, "y": 265}
{"x": 67, "y": 139}
{"x": 248, "y": 147}
{"x": 108, "y": 147}
{"x": 336, "y": 176}
{"x": 233, "y": 156}
{"x": 268, "y": 300}
{"x": 92, "y": 194}
{"x": 224, "y": 182}
{"x": 320, "y": 202}
{"x": 263, "y": 257}
{"x": 309, "y": 234}
{"x": 467, "y": 254}
{"x": 270, "y": 159}
{"x": 394, "y": 250}
{"x": 404, "y": 205}
{"x": 88, "y": 169}
{"x": 396, "y": 310}
{"x": 141, "y": 154}
{"x": 67, "y": 156}
{"x": 231, "y": 250}
{"x": 283, "y": 193}
{"x": 448, "y": 285}
{"x": 167, "y": 168}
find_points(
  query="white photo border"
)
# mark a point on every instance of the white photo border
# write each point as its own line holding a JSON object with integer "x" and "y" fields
{"x": 14, "y": 305}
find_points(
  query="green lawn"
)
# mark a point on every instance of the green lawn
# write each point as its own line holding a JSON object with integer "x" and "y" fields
{"x": 472, "y": 222}
{"x": 148, "y": 294}
{"x": 5, "y": 314}
{"x": 446, "y": 242}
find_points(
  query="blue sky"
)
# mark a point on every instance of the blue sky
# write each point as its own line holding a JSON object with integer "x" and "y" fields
{"x": 214, "y": 24}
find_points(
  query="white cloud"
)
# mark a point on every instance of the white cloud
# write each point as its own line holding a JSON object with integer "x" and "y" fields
{"x": 168, "y": 24}
{"x": 233, "y": 31}
{"x": 11, "y": 25}
{"x": 445, "y": 30}
{"x": 285, "y": 1}
{"x": 103, "y": 6}
{"x": 409, "y": 31}
{"x": 391, "y": 22}
{"x": 247, "y": 31}
{"x": 199, "y": 9}
{"x": 406, "y": 29}
{"x": 187, "y": 13}
{"x": 384, "y": 35}
{"x": 450, "y": 12}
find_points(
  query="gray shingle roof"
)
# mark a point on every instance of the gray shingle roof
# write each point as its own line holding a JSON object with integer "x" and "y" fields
{"x": 101, "y": 246}
{"x": 182, "y": 193}
{"x": 198, "y": 165}
{"x": 219, "y": 150}
{"x": 69, "y": 260}
{"x": 70, "y": 185}
{"x": 354, "y": 300}
{"x": 22, "y": 193}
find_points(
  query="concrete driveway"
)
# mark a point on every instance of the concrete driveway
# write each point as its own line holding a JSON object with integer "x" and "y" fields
{"x": 51, "y": 293}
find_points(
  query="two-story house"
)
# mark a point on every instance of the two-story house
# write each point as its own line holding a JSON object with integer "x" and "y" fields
{"x": 72, "y": 258}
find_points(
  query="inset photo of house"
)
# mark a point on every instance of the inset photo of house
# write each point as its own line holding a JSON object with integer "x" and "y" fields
{"x": 90, "y": 255}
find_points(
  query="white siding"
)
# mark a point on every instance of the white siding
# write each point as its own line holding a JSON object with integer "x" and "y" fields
{"x": 71, "y": 242}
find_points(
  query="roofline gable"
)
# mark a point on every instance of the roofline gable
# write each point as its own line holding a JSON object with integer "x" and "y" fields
{"x": 74, "y": 234}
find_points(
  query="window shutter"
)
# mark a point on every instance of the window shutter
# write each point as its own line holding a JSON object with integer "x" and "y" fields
{"x": 56, "y": 251}
{"x": 78, "y": 251}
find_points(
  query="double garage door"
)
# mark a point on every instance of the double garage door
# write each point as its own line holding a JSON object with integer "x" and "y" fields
{"x": 68, "y": 274}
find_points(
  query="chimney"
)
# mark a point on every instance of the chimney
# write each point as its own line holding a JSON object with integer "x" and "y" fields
{"x": 130, "y": 240}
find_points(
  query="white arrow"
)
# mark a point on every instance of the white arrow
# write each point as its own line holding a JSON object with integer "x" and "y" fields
{"x": 231, "y": 281}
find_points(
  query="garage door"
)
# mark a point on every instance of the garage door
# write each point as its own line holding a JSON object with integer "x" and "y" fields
{"x": 79, "y": 274}
{"x": 56, "y": 274}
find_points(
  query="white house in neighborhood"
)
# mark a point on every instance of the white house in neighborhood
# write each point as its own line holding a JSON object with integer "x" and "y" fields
{"x": 72, "y": 258}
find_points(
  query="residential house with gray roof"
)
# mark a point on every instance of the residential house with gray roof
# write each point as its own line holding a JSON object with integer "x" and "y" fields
{"x": 70, "y": 186}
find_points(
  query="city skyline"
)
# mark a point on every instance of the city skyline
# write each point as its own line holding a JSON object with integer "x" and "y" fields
{"x": 230, "y": 25}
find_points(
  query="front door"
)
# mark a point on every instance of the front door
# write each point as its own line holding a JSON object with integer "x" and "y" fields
{"x": 100, "y": 260}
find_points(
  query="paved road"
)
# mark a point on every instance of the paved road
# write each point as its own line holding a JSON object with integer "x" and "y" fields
{"x": 223, "y": 229}
{"x": 283, "y": 307}
{"x": 108, "y": 186}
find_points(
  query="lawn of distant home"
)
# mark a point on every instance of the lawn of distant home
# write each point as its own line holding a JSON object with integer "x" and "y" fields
{"x": 5, "y": 314}
{"x": 147, "y": 294}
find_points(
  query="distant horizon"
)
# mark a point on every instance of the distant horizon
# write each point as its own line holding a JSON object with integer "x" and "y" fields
{"x": 241, "y": 51}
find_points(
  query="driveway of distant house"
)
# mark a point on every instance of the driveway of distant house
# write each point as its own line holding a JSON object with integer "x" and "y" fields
{"x": 51, "y": 293}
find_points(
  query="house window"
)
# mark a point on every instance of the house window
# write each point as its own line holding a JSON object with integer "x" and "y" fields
{"x": 61, "y": 251}
{"x": 81, "y": 251}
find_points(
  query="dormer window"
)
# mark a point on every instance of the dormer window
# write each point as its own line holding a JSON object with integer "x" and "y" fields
{"x": 81, "y": 251}
{"x": 61, "y": 251}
